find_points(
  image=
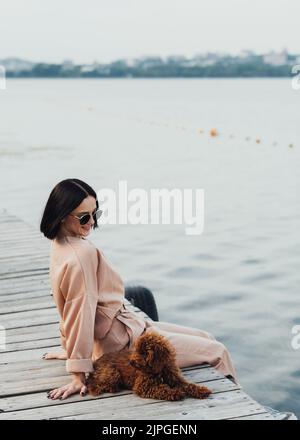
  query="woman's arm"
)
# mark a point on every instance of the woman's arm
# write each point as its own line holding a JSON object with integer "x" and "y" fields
{"x": 79, "y": 289}
{"x": 79, "y": 325}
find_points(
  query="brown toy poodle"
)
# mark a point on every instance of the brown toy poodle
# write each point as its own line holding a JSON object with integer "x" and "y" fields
{"x": 149, "y": 370}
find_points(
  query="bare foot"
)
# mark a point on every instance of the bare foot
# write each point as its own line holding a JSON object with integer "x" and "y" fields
{"x": 55, "y": 355}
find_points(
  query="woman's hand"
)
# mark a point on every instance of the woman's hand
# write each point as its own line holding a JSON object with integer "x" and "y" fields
{"x": 55, "y": 355}
{"x": 76, "y": 386}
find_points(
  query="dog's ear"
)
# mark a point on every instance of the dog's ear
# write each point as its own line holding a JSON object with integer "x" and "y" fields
{"x": 157, "y": 357}
{"x": 161, "y": 350}
{"x": 165, "y": 350}
{"x": 150, "y": 358}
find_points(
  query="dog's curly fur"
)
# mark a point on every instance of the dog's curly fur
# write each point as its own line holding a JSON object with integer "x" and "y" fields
{"x": 149, "y": 370}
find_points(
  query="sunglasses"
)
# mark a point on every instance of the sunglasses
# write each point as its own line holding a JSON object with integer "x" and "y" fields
{"x": 83, "y": 219}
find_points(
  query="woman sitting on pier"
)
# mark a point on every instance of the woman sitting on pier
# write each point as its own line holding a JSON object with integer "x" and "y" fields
{"x": 89, "y": 296}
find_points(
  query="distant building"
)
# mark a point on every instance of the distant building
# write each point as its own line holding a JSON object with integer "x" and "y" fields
{"x": 94, "y": 67}
{"x": 246, "y": 54}
{"x": 16, "y": 65}
{"x": 175, "y": 59}
{"x": 131, "y": 62}
{"x": 87, "y": 68}
{"x": 67, "y": 65}
{"x": 276, "y": 58}
{"x": 207, "y": 59}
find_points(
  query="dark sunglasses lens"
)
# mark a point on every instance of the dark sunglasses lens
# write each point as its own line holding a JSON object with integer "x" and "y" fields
{"x": 84, "y": 219}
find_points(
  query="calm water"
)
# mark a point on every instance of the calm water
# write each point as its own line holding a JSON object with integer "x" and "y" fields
{"x": 238, "y": 280}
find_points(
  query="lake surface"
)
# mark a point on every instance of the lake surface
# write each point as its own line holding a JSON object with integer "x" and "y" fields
{"x": 240, "y": 278}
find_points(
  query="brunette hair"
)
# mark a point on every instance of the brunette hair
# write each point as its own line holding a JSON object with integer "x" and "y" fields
{"x": 63, "y": 199}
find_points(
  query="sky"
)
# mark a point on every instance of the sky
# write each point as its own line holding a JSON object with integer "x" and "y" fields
{"x": 105, "y": 30}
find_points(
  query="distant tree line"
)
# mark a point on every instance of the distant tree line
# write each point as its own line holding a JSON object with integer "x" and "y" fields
{"x": 119, "y": 69}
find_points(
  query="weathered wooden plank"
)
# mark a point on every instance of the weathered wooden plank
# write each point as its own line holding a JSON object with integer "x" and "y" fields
{"x": 26, "y": 240}
{"x": 32, "y": 365}
{"x": 31, "y": 345}
{"x": 36, "y": 275}
{"x": 39, "y": 399}
{"x": 44, "y": 380}
{"x": 23, "y": 243}
{"x": 39, "y": 369}
{"x": 26, "y": 304}
{"x": 27, "y": 318}
{"x": 24, "y": 295}
{"x": 9, "y": 223}
{"x": 38, "y": 384}
{"x": 23, "y": 265}
{"x": 259, "y": 416}
{"x": 25, "y": 283}
{"x": 33, "y": 333}
{"x": 18, "y": 284}
{"x": 23, "y": 237}
{"x": 16, "y": 251}
{"x": 217, "y": 407}
{"x": 131, "y": 407}
{"x": 25, "y": 273}
{"x": 26, "y": 355}
{"x": 19, "y": 230}
{"x": 18, "y": 256}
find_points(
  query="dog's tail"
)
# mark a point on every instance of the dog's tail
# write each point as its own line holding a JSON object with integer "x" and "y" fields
{"x": 197, "y": 391}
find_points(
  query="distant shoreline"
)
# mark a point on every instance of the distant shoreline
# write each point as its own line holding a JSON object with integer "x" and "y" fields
{"x": 274, "y": 65}
{"x": 148, "y": 77}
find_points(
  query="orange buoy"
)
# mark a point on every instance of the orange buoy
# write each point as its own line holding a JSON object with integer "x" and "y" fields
{"x": 213, "y": 132}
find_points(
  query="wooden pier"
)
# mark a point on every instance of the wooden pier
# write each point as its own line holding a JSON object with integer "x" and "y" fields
{"x": 29, "y": 320}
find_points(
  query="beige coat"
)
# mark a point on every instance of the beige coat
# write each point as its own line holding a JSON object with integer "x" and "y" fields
{"x": 89, "y": 296}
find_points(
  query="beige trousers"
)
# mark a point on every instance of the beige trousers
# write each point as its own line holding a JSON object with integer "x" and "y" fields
{"x": 194, "y": 346}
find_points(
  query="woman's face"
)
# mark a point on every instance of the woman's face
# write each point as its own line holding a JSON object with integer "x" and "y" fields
{"x": 71, "y": 224}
